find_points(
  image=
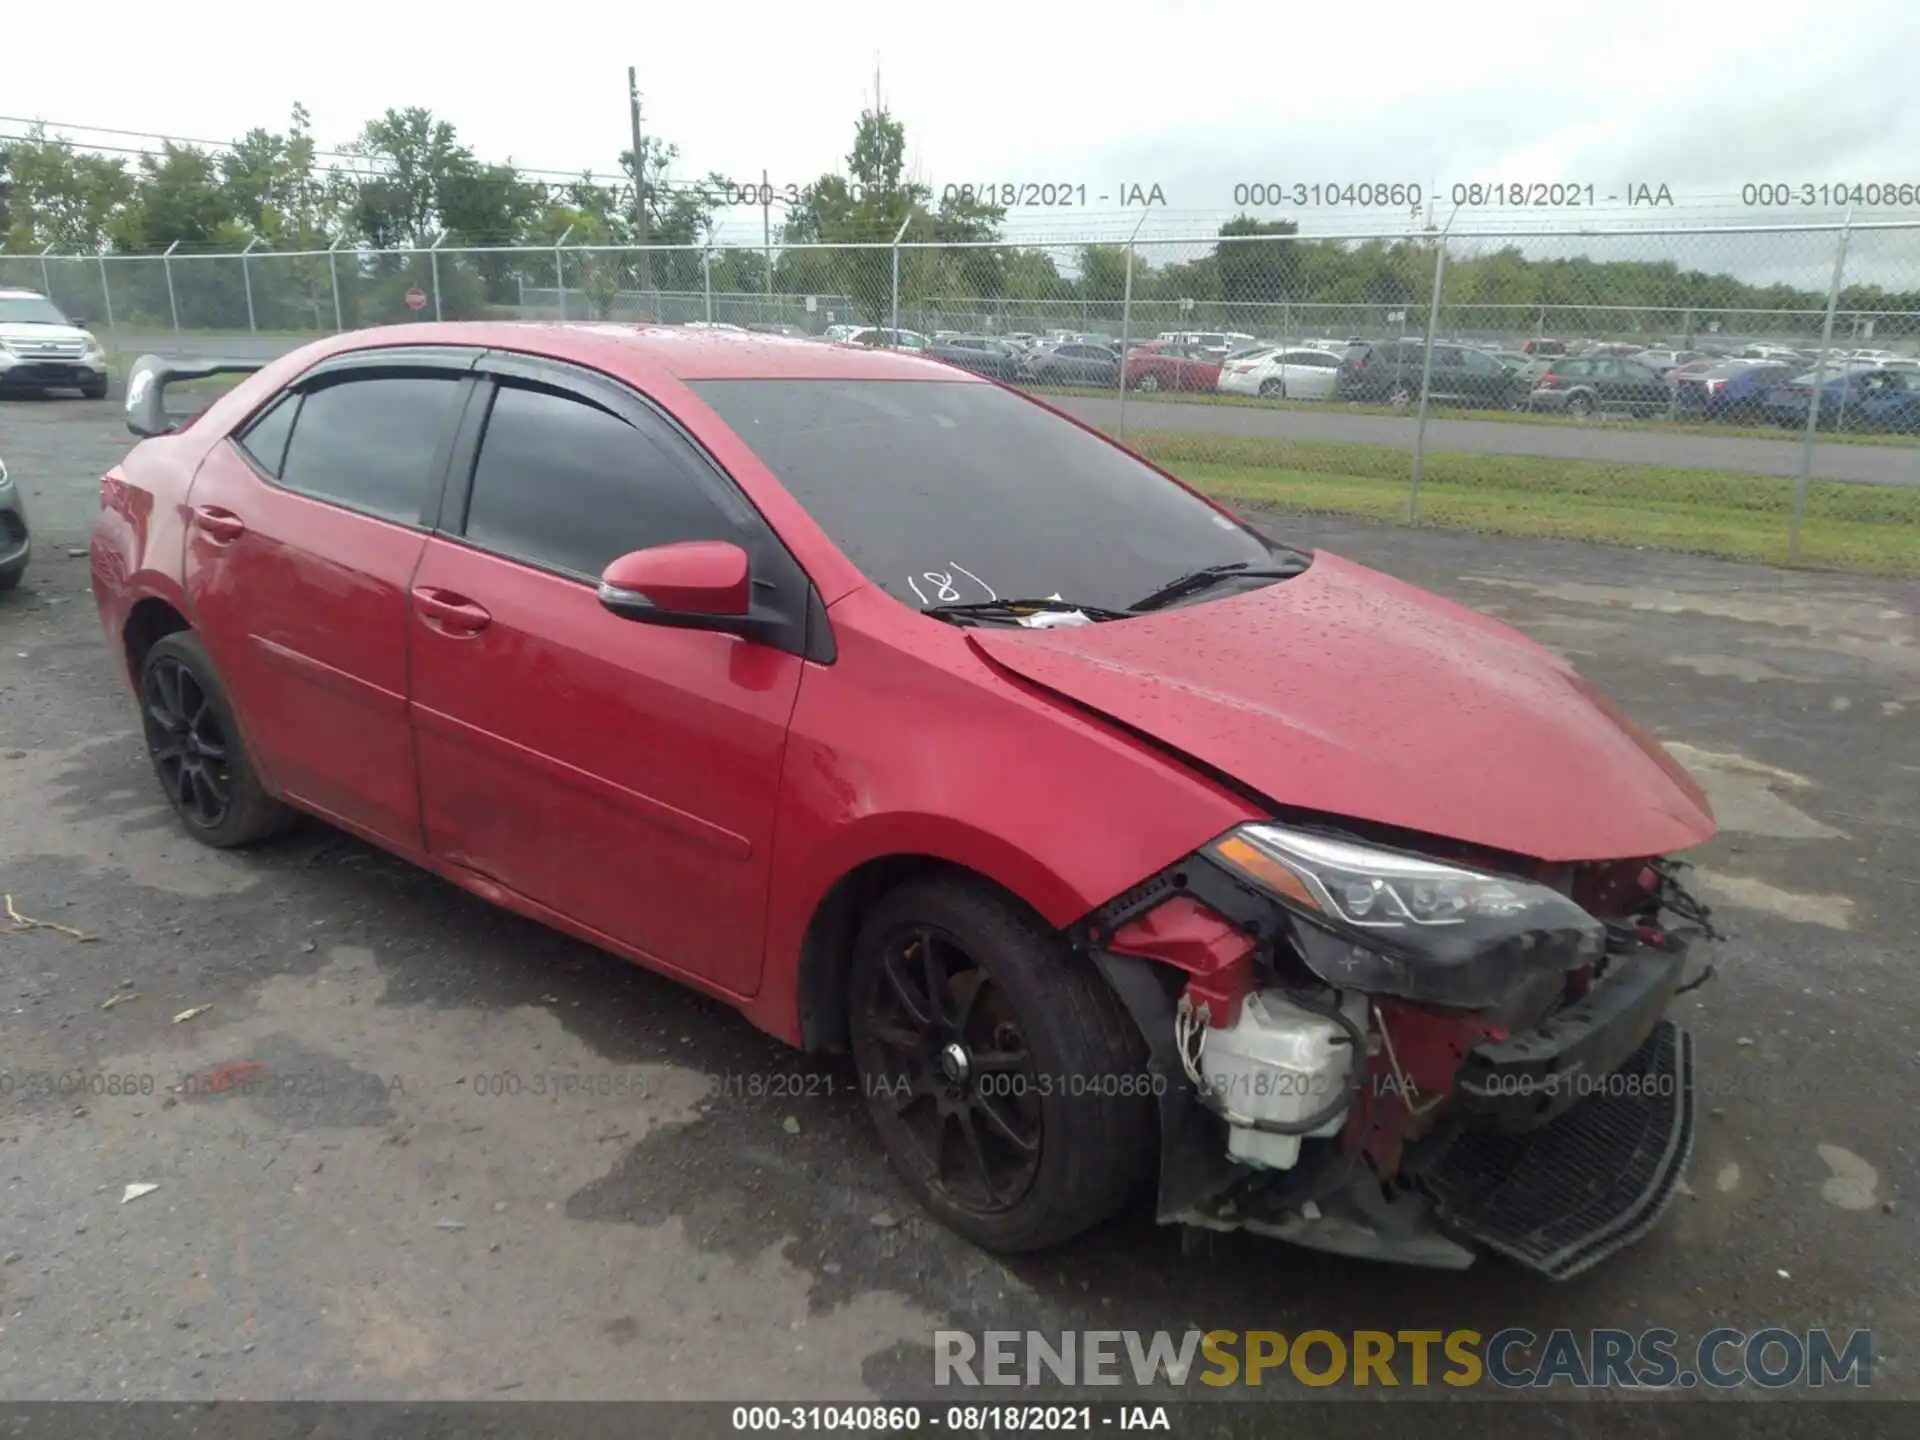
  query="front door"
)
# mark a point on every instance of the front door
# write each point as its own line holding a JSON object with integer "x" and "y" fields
{"x": 620, "y": 773}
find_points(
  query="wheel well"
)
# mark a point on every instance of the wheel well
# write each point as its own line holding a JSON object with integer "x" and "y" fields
{"x": 826, "y": 955}
{"x": 150, "y": 620}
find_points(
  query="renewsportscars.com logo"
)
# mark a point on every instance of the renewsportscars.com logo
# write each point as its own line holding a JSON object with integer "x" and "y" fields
{"x": 1657, "y": 1359}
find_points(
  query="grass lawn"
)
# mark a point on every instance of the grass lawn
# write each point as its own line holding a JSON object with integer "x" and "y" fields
{"x": 1869, "y": 529}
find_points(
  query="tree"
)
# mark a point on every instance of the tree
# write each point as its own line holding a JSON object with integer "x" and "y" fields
{"x": 867, "y": 206}
{"x": 1257, "y": 271}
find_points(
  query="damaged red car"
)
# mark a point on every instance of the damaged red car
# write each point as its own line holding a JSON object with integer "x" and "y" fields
{"x": 1126, "y": 847}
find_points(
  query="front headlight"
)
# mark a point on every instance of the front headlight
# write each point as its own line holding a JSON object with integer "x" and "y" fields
{"x": 1390, "y": 922}
{"x": 93, "y": 350}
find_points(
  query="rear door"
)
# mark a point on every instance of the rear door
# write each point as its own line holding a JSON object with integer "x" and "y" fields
{"x": 623, "y": 775}
{"x": 306, "y": 527}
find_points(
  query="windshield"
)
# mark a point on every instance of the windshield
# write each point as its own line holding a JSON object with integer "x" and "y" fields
{"x": 946, "y": 492}
{"x": 30, "y": 310}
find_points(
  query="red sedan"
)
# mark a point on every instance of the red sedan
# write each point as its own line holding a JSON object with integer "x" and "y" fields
{"x": 1166, "y": 365}
{"x": 1109, "y": 834}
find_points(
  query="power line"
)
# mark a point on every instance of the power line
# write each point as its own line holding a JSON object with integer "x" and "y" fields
{"x": 230, "y": 146}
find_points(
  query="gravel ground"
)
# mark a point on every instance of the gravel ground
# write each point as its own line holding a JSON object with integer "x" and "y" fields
{"x": 386, "y": 1225}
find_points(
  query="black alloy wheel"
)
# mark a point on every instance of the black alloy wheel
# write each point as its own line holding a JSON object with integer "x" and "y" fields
{"x": 1009, "y": 1085}
{"x": 197, "y": 750}
{"x": 954, "y": 1067}
{"x": 187, "y": 742}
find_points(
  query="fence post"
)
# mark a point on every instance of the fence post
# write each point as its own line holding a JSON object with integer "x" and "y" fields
{"x": 896, "y": 275}
{"x": 706, "y": 279}
{"x": 1126, "y": 323}
{"x": 1426, "y": 378}
{"x": 559, "y": 272}
{"x": 433, "y": 259}
{"x": 106, "y": 291}
{"x": 173, "y": 302}
{"x": 1819, "y": 383}
{"x": 333, "y": 274}
{"x": 46, "y": 280}
{"x": 246, "y": 275}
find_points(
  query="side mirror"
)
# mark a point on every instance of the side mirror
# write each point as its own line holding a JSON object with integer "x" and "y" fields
{"x": 694, "y": 584}
{"x": 79, "y": 322}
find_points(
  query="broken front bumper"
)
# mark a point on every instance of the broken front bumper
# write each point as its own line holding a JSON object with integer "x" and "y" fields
{"x": 1563, "y": 1146}
{"x": 1563, "y": 1197}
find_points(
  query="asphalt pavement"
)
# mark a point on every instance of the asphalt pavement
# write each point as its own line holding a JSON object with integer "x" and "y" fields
{"x": 1597, "y": 439}
{"x": 690, "y": 1210}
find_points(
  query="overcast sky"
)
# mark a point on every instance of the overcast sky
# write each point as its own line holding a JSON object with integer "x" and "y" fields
{"x": 1195, "y": 97}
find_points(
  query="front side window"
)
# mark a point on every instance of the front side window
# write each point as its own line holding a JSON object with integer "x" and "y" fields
{"x": 951, "y": 491}
{"x": 568, "y": 486}
{"x": 370, "y": 442}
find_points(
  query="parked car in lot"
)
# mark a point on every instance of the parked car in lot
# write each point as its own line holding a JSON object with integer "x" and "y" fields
{"x": 1170, "y": 365}
{"x": 1125, "y": 847}
{"x": 792, "y": 332}
{"x": 1543, "y": 347}
{"x": 1073, "y": 363}
{"x": 16, "y": 537}
{"x": 1218, "y": 344}
{"x": 1734, "y": 390}
{"x": 1661, "y": 361}
{"x": 1389, "y": 372}
{"x": 1874, "y": 399}
{"x": 1599, "y": 383}
{"x": 982, "y": 354}
{"x": 882, "y": 338}
{"x": 1282, "y": 374}
{"x": 42, "y": 349}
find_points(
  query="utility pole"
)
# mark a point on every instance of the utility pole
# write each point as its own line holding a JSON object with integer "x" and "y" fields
{"x": 766, "y": 225}
{"x": 639, "y": 178}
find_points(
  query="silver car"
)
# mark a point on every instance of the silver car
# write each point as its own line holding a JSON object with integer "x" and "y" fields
{"x": 16, "y": 544}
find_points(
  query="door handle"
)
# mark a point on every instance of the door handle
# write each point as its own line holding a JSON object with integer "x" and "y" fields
{"x": 222, "y": 525}
{"x": 450, "y": 613}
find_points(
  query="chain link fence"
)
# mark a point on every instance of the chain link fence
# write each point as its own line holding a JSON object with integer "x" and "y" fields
{"x": 1737, "y": 390}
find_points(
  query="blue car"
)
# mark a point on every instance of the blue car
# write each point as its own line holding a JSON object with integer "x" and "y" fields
{"x": 1857, "y": 400}
{"x": 1730, "y": 390}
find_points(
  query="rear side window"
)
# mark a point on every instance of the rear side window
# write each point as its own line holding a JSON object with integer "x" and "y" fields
{"x": 371, "y": 443}
{"x": 568, "y": 486}
{"x": 265, "y": 440}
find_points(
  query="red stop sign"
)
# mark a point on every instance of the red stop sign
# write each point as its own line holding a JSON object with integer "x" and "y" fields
{"x": 416, "y": 298}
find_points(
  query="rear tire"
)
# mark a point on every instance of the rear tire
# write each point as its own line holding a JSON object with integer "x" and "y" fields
{"x": 198, "y": 756}
{"x": 1147, "y": 384}
{"x": 1579, "y": 406}
{"x": 1401, "y": 396}
{"x": 1017, "y": 1107}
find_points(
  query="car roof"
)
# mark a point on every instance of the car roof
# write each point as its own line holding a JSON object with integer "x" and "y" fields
{"x": 677, "y": 351}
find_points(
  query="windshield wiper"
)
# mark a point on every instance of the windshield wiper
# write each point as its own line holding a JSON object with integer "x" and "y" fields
{"x": 991, "y": 609}
{"x": 1205, "y": 578}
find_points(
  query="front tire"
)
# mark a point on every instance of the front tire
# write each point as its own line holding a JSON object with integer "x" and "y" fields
{"x": 198, "y": 756}
{"x": 1006, "y": 1080}
{"x": 1147, "y": 384}
{"x": 1272, "y": 390}
{"x": 1579, "y": 406}
{"x": 95, "y": 389}
{"x": 1401, "y": 396}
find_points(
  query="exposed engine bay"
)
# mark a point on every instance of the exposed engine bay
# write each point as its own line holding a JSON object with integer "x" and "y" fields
{"x": 1412, "y": 1055}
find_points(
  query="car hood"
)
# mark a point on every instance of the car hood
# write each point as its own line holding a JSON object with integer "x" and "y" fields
{"x": 38, "y": 334}
{"x": 1347, "y": 692}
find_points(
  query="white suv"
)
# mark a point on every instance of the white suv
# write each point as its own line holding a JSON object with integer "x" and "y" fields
{"x": 41, "y": 349}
